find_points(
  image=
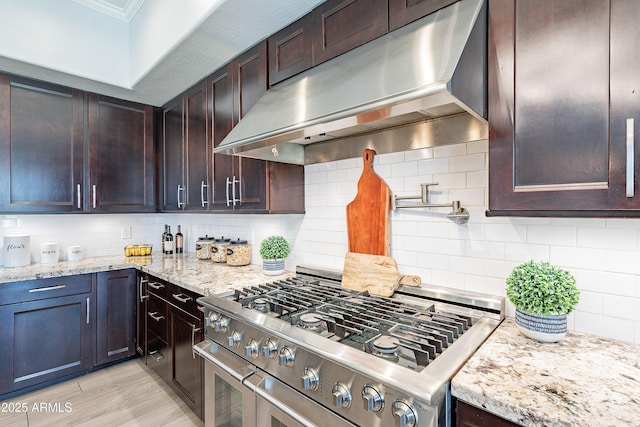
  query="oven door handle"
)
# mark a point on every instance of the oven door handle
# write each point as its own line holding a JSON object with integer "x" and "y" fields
{"x": 224, "y": 359}
{"x": 259, "y": 391}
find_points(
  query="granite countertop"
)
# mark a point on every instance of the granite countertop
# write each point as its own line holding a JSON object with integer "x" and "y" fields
{"x": 582, "y": 380}
{"x": 201, "y": 276}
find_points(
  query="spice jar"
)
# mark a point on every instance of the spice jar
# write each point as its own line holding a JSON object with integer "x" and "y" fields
{"x": 238, "y": 253}
{"x": 203, "y": 247}
{"x": 219, "y": 249}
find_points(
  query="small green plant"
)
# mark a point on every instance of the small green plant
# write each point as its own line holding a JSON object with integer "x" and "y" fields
{"x": 542, "y": 289}
{"x": 274, "y": 247}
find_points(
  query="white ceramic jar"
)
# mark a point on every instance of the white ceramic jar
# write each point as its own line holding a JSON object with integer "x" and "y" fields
{"x": 49, "y": 253}
{"x": 16, "y": 250}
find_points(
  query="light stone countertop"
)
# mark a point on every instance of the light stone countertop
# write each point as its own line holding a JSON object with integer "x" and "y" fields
{"x": 583, "y": 380}
{"x": 201, "y": 276}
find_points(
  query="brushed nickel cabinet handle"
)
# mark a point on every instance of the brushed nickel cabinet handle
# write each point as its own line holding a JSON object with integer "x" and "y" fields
{"x": 227, "y": 190}
{"x": 88, "y": 310}
{"x": 94, "y": 195}
{"x": 193, "y": 339}
{"x": 630, "y": 158}
{"x": 48, "y": 288}
{"x": 78, "y": 194}
{"x": 142, "y": 282}
{"x": 180, "y": 204}
{"x": 202, "y": 187}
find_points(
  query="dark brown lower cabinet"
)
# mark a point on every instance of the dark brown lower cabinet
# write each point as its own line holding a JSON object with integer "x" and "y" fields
{"x": 187, "y": 369}
{"x": 470, "y": 416}
{"x": 173, "y": 325}
{"x": 47, "y": 330}
{"x": 116, "y": 316}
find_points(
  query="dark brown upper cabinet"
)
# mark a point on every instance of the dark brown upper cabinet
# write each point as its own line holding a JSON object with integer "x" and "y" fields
{"x": 402, "y": 12}
{"x": 41, "y": 147}
{"x": 341, "y": 25}
{"x": 564, "y": 108}
{"x": 42, "y": 150}
{"x": 121, "y": 159}
{"x": 290, "y": 50}
{"x": 186, "y": 151}
{"x": 242, "y": 184}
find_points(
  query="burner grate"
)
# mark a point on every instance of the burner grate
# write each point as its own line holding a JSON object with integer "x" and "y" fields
{"x": 419, "y": 334}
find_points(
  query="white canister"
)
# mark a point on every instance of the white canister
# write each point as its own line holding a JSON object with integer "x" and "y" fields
{"x": 16, "y": 250}
{"x": 75, "y": 253}
{"x": 49, "y": 253}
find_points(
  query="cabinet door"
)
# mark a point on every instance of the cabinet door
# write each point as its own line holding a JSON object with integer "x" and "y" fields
{"x": 121, "y": 161}
{"x": 250, "y": 85}
{"x": 197, "y": 148}
{"x": 221, "y": 107}
{"x": 290, "y": 50}
{"x": 41, "y": 147}
{"x": 44, "y": 340}
{"x": 341, "y": 25}
{"x": 625, "y": 105}
{"x": 549, "y": 150}
{"x": 172, "y": 138}
{"x": 186, "y": 367}
{"x": 116, "y": 316}
{"x": 402, "y": 12}
{"x": 141, "y": 315}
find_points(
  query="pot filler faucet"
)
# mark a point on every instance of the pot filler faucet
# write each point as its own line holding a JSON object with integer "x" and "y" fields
{"x": 459, "y": 215}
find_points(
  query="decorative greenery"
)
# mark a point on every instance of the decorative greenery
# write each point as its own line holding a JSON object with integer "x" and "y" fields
{"x": 274, "y": 247}
{"x": 543, "y": 289}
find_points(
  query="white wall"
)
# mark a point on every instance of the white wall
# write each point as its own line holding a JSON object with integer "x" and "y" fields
{"x": 603, "y": 254}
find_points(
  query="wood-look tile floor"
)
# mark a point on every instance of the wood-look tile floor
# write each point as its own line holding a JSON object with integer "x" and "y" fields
{"x": 127, "y": 394}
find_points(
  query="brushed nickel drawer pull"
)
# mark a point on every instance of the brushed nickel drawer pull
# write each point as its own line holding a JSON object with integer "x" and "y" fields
{"x": 48, "y": 288}
{"x": 88, "y": 309}
{"x": 156, "y": 355}
{"x": 156, "y": 285}
{"x": 154, "y": 315}
{"x": 182, "y": 297}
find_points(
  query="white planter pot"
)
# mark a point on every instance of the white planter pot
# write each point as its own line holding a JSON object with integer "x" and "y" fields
{"x": 547, "y": 329}
{"x": 273, "y": 267}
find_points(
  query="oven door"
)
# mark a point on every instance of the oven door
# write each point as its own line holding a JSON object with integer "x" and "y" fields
{"x": 227, "y": 402}
{"x": 278, "y": 405}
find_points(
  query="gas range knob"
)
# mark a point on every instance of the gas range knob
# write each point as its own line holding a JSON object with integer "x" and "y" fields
{"x": 221, "y": 324}
{"x": 251, "y": 349}
{"x": 341, "y": 396}
{"x": 212, "y": 318}
{"x": 404, "y": 415}
{"x": 372, "y": 399}
{"x": 234, "y": 339}
{"x": 310, "y": 379}
{"x": 270, "y": 350}
{"x": 287, "y": 357}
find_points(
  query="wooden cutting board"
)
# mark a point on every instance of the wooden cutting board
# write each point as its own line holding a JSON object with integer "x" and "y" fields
{"x": 368, "y": 213}
{"x": 376, "y": 274}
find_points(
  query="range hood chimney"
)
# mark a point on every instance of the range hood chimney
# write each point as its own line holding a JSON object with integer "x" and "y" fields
{"x": 420, "y": 86}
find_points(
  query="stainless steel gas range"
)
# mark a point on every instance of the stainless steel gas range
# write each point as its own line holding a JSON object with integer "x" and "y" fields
{"x": 304, "y": 351}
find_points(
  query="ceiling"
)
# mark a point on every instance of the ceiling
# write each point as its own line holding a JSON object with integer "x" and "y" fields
{"x": 144, "y": 51}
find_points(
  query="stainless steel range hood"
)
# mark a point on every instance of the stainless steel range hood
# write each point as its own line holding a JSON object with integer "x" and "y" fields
{"x": 420, "y": 86}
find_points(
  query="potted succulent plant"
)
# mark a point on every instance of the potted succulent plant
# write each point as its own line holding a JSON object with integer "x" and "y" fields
{"x": 543, "y": 295}
{"x": 273, "y": 250}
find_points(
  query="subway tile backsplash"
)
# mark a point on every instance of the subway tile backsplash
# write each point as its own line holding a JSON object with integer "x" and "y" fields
{"x": 604, "y": 254}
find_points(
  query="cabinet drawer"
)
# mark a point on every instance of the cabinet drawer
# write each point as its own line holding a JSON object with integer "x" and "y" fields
{"x": 158, "y": 355}
{"x": 32, "y": 290}
{"x": 157, "y": 316}
{"x": 184, "y": 299}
